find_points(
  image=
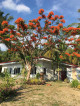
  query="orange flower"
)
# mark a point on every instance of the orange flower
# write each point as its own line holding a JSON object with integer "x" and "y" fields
{"x": 66, "y": 38}
{"x": 61, "y": 16}
{"x": 41, "y": 11}
{"x": 19, "y": 20}
{"x": 62, "y": 20}
{"x": 1, "y": 32}
{"x": 18, "y": 34}
{"x": 45, "y": 43}
{"x": 32, "y": 25}
{"x": 56, "y": 16}
{"x": 33, "y": 38}
{"x": 44, "y": 37}
{"x": 78, "y": 40}
{"x": 7, "y": 39}
{"x": 51, "y": 13}
{"x": 39, "y": 18}
{"x": 61, "y": 57}
{"x": 4, "y": 23}
{"x": 67, "y": 54}
{"x": 11, "y": 36}
{"x": 70, "y": 39}
{"x": 43, "y": 16}
{"x": 5, "y": 30}
{"x": 60, "y": 25}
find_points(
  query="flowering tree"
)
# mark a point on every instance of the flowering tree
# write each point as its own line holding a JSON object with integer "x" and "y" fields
{"x": 33, "y": 39}
{"x": 73, "y": 40}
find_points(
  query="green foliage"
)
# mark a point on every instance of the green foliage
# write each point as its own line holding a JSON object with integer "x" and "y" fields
{"x": 9, "y": 81}
{"x": 28, "y": 58}
{"x": 74, "y": 83}
{"x": 78, "y": 86}
{"x": 40, "y": 65}
{"x": 4, "y": 17}
{"x": 24, "y": 74}
{"x": 6, "y": 91}
{"x": 66, "y": 80}
{"x": 6, "y": 88}
{"x": 75, "y": 60}
{"x": 6, "y": 56}
{"x": 38, "y": 75}
{"x": 69, "y": 50}
{"x": 2, "y": 75}
{"x": 35, "y": 82}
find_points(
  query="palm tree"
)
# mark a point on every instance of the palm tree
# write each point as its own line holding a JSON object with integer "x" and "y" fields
{"x": 75, "y": 24}
{"x": 4, "y": 17}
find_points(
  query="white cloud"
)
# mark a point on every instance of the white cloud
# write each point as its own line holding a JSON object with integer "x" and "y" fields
{"x": 39, "y": 3}
{"x": 69, "y": 7}
{"x": 54, "y": 8}
{"x": 10, "y": 4}
{"x": 17, "y": 1}
{"x": 3, "y": 47}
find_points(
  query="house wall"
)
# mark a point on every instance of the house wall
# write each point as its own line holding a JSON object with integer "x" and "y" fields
{"x": 13, "y": 66}
{"x": 70, "y": 73}
{"x": 49, "y": 70}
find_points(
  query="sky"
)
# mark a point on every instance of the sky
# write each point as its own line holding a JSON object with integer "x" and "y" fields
{"x": 28, "y": 9}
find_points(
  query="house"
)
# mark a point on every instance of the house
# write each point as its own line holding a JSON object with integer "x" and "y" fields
{"x": 12, "y": 67}
{"x": 48, "y": 67}
{"x": 45, "y": 65}
{"x": 73, "y": 71}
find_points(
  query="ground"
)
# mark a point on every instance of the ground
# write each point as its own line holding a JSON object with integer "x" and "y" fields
{"x": 59, "y": 94}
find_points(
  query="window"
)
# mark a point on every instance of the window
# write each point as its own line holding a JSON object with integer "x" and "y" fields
{"x": 44, "y": 71}
{"x": 33, "y": 71}
{"x": 16, "y": 70}
{"x": 10, "y": 70}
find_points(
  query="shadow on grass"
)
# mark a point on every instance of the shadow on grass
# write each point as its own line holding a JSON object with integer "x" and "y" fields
{"x": 18, "y": 93}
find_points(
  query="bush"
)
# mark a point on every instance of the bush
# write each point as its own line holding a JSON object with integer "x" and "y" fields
{"x": 8, "y": 80}
{"x": 2, "y": 75}
{"x": 66, "y": 80}
{"x": 78, "y": 86}
{"x": 6, "y": 92}
{"x": 74, "y": 83}
{"x": 38, "y": 75}
{"x": 36, "y": 82}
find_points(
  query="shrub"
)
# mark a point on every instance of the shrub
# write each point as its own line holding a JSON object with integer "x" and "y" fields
{"x": 66, "y": 80}
{"x": 6, "y": 91}
{"x": 38, "y": 75}
{"x": 8, "y": 80}
{"x": 35, "y": 82}
{"x": 74, "y": 83}
{"x": 2, "y": 75}
{"x": 78, "y": 86}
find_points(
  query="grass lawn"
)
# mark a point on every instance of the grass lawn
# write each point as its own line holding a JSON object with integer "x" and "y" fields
{"x": 59, "y": 94}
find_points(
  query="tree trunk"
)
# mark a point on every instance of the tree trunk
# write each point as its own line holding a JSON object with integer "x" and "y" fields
{"x": 28, "y": 69}
{"x": 58, "y": 75}
{"x": 28, "y": 74}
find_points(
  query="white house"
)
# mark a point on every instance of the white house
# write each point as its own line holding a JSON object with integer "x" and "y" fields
{"x": 12, "y": 67}
{"x": 48, "y": 67}
{"x": 73, "y": 72}
{"x": 45, "y": 65}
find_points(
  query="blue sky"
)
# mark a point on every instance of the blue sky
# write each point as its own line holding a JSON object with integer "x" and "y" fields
{"x": 28, "y": 9}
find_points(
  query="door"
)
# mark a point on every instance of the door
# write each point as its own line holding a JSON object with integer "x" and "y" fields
{"x": 63, "y": 75}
